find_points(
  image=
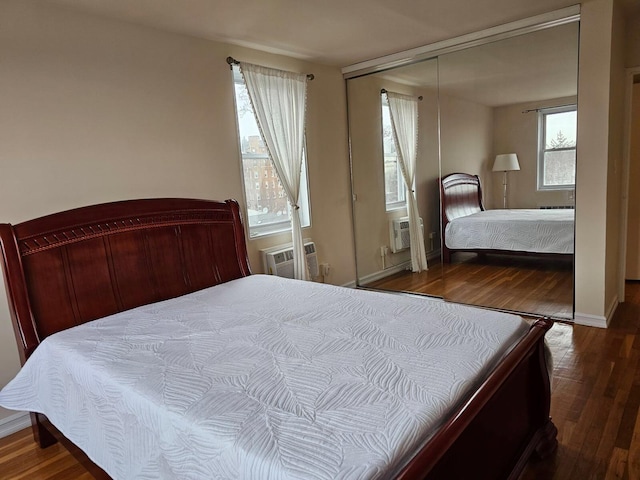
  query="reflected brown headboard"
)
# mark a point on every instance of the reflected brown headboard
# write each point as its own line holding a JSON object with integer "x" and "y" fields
{"x": 461, "y": 195}
{"x": 71, "y": 267}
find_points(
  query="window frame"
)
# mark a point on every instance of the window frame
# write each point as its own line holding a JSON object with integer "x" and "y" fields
{"x": 271, "y": 228}
{"x": 542, "y": 150}
{"x": 401, "y": 187}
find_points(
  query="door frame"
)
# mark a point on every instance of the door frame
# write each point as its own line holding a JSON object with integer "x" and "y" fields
{"x": 631, "y": 73}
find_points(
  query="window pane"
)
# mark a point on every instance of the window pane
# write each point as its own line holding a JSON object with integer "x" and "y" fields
{"x": 393, "y": 181}
{"x": 268, "y": 209}
{"x": 560, "y": 167}
{"x": 561, "y": 130}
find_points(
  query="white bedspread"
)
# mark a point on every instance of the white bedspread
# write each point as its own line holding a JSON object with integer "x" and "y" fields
{"x": 522, "y": 230}
{"x": 262, "y": 378}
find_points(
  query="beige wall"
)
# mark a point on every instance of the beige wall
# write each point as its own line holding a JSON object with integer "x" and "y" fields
{"x": 466, "y": 137}
{"x": 95, "y": 110}
{"x": 615, "y": 156}
{"x": 591, "y": 172}
{"x": 517, "y": 132}
{"x": 595, "y": 265}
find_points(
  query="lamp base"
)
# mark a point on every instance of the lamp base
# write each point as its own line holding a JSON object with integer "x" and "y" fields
{"x": 504, "y": 190}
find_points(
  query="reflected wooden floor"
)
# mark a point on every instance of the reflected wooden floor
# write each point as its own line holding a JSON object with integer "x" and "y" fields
{"x": 521, "y": 284}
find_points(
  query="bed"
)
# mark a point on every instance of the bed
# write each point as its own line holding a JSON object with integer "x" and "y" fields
{"x": 100, "y": 294}
{"x": 468, "y": 227}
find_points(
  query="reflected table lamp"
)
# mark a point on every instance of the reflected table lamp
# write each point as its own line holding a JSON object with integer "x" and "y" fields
{"x": 505, "y": 162}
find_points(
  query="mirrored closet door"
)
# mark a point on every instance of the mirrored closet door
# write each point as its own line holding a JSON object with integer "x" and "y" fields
{"x": 380, "y": 196}
{"x": 512, "y": 99}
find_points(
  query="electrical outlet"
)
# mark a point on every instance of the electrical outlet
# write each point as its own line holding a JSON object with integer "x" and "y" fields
{"x": 325, "y": 269}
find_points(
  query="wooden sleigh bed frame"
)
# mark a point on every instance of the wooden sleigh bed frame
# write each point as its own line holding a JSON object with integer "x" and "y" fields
{"x": 461, "y": 195}
{"x": 72, "y": 267}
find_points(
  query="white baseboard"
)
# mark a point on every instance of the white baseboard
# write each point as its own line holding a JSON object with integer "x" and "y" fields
{"x": 597, "y": 320}
{"x": 378, "y": 275}
{"x": 590, "y": 320}
{"x": 389, "y": 271}
{"x": 14, "y": 423}
{"x": 385, "y": 273}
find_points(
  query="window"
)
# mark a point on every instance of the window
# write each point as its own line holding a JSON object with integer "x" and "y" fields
{"x": 557, "y": 148}
{"x": 394, "y": 187}
{"x": 273, "y": 213}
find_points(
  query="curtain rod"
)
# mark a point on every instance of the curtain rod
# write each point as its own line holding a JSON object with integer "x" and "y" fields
{"x": 547, "y": 108}
{"x": 232, "y": 61}
{"x": 384, "y": 90}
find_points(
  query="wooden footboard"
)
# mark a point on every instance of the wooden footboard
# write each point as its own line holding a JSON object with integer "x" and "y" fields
{"x": 495, "y": 432}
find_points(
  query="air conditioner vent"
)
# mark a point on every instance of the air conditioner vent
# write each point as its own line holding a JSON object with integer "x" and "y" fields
{"x": 399, "y": 233}
{"x": 279, "y": 260}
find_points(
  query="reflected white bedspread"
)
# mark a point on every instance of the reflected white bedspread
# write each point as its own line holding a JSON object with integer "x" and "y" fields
{"x": 521, "y": 230}
{"x": 261, "y": 378}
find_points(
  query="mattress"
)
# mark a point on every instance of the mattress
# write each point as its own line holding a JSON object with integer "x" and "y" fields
{"x": 519, "y": 230}
{"x": 262, "y": 377}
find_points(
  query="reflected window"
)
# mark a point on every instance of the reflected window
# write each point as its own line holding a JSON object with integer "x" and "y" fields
{"x": 395, "y": 192}
{"x": 269, "y": 211}
{"x": 557, "y": 149}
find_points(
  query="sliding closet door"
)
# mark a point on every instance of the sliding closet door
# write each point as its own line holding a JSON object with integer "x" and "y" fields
{"x": 501, "y": 98}
{"x": 379, "y": 194}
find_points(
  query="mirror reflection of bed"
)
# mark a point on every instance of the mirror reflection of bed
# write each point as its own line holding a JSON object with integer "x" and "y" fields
{"x": 511, "y": 259}
{"x": 490, "y": 100}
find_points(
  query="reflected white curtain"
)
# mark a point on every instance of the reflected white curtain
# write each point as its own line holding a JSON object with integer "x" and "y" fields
{"x": 279, "y": 101}
{"x": 404, "y": 122}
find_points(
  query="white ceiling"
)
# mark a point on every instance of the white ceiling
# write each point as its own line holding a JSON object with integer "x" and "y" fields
{"x": 536, "y": 66}
{"x": 334, "y": 32}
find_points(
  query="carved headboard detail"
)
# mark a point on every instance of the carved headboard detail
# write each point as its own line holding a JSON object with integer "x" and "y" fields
{"x": 461, "y": 195}
{"x": 75, "y": 266}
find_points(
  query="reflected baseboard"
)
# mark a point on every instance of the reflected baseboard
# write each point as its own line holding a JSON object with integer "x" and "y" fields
{"x": 379, "y": 275}
{"x": 385, "y": 273}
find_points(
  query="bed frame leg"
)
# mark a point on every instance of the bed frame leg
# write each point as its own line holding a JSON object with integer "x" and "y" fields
{"x": 41, "y": 435}
{"x": 548, "y": 443}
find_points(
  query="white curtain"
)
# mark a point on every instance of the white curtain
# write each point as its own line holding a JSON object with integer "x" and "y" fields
{"x": 279, "y": 101}
{"x": 404, "y": 122}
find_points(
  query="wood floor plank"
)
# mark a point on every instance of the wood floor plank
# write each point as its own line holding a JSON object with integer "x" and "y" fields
{"x": 617, "y": 468}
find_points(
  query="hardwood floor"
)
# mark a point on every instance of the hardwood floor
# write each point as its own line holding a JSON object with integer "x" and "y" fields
{"x": 522, "y": 284}
{"x": 595, "y": 405}
{"x": 21, "y": 458}
{"x": 595, "y": 400}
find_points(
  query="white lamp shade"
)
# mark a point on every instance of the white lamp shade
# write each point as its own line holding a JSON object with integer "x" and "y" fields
{"x": 506, "y": 162}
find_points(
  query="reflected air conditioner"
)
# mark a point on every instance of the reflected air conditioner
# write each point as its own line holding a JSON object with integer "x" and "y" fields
{"x": 399, "y": 233}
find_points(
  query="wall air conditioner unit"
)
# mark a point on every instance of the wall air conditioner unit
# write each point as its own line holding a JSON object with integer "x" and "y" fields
{"x": 399, "y": 233}
{"x": 279, "y": 260}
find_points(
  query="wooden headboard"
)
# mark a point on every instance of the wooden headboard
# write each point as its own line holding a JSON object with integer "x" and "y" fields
{"x": 71, "y": 267}
{"x": 461, "y": 195}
